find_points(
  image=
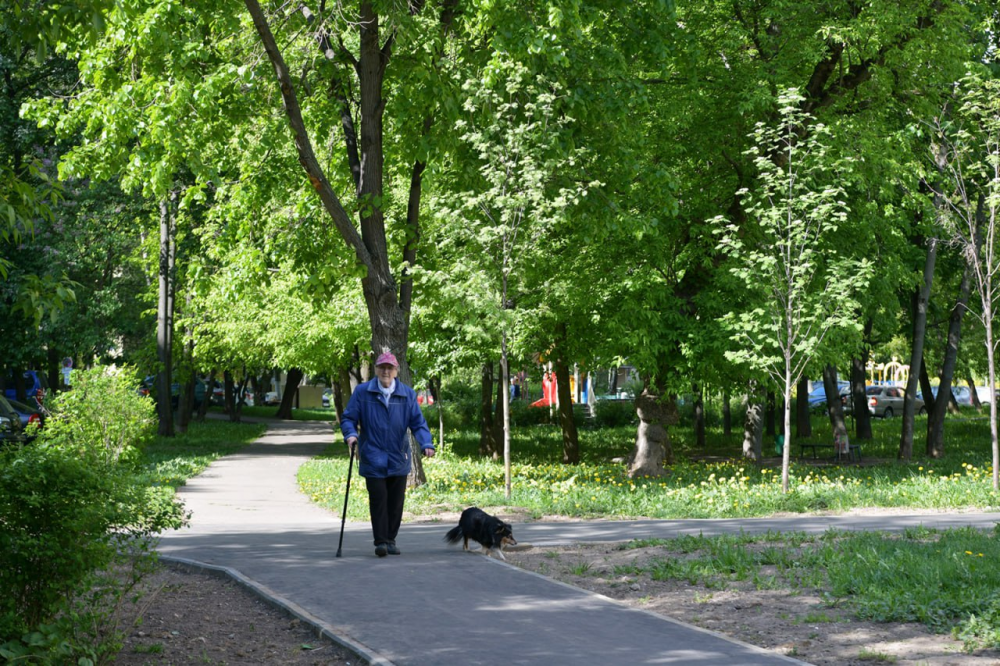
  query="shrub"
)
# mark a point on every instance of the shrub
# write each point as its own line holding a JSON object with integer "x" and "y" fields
{"x": 55, "y": 521}
{"x": 102, "y": 417}
{"x": 614, "y": 413}
{"x": 71, "y": 505}
{"x": 521, "y": 414}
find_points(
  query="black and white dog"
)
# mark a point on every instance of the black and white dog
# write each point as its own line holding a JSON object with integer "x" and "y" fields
{"x": 488, "y": 531}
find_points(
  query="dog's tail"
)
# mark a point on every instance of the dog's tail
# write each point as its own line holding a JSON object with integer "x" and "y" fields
{"x": 454, "y": 535}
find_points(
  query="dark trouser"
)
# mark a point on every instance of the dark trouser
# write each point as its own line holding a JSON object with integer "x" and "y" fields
{"x": 385, "y": 500}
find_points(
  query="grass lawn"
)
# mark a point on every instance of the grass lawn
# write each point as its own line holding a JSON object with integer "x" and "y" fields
{"x": 713, "y": 482}
{"x": 171, "y": 461}
{"x": 945, "y": 580}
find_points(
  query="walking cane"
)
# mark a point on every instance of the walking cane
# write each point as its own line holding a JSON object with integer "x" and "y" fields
{"x": 347, "y": 493}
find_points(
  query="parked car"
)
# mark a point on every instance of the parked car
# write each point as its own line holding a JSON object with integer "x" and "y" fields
{"x": 30, "y": 414}
{"x": 11, "y": 429}
{"x": 961, "y": 394}
{"x": 886, "y": 401}
{"x": 817, "y": 397}
{"x": 33, "y": 383}
{"x": 327, "y": 398}
{"x": 148, "y": 387}
{"x": 271, "y": 398}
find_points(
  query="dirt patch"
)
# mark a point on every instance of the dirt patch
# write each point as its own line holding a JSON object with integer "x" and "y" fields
{"x": 198, "y": 618}
{"x": 784, "y": 620}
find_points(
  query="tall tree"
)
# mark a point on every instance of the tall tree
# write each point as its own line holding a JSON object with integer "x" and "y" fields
{"x": 389, "y": 301}
{"x": 790, "y": 254}
{"x": 969, "y": 156}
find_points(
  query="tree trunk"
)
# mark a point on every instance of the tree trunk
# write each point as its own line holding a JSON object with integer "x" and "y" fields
{"x": 803, "y": 422}
{"x": 20, "y": 386}
{"x": 187, "y": 391}
{"x": 229, "y": 394}
{"x": 727, "y": 413}
{"x": 917, "y": 348}
{"x": 862, "y": 418}
{"x": 973, "y": 394}
{"x": 925, "y": 385}
{"x": 699, "y": 417}
{"x": 505, "y": 401}
{"x": 833, "y": 406}
{"x": 435, "y": 386}
{"x": 209, "y": 393}
{"x": 165, "y": 321}
{"x": 769, "y": 425}
{"x": 52, "y": 358}
{"x": 186, "y": 406}
{"x": 498, "y": 407}
{"x": 292, "y": 380}
{"x": 652, "y": 442}
{"x": 570, "y": 439}
{"x": 342, "y": 391}
{"x": 487, "y": 439}
{"x": 859, "y": 398}
{"x": 753, "y": 431}
{"x": 935, "y": 418}
{"x": 786, "y": 425}
{"x": 388, "y": 312}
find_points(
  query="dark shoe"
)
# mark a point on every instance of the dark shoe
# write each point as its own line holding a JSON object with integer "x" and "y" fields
{"x": 381, "y": 550}
{"x": 391, "y": 546}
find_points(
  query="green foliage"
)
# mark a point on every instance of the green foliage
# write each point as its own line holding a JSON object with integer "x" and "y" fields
{"x": 522, "y": 415}
{"x": 60, "y": 521}
{"x": 103, "y": 417}
{"x": 74, "y": 505}
{"x": 788, "y": 259}
{"x": 53, "y": 643}
{"x": 614, "y": 413}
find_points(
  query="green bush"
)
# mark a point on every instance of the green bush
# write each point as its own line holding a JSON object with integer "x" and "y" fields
{"x": 460, "y": 411}
{"x": 102, "y": 417}
{"x": 613, "y": 413}
{"x": 522, "y": 414}
{"x": 73, "y": 504}
{"x": 55, "y": 521}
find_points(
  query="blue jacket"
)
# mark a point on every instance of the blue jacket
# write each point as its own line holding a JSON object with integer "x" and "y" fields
{"x": 383, "y": 447}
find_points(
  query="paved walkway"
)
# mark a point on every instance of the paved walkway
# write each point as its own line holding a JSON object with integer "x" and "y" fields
{"x": 436, "y": 604}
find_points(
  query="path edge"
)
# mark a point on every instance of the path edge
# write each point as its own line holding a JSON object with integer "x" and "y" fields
{"x": 359, "y": 650}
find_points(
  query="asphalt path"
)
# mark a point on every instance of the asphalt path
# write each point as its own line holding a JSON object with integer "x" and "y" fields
{"x": 436, "y": 604}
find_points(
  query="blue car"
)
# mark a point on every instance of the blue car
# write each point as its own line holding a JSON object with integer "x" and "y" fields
{"x": 817, "y": 397}
{"x": 33, "y": 383}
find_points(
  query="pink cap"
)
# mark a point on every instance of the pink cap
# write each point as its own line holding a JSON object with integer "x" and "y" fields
{"x": 386, "y": 358}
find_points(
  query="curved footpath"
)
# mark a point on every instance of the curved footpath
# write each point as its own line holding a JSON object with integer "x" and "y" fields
{"x": 435, "y": 604}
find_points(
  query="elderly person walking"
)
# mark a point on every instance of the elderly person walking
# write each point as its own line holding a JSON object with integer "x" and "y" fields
{"x": 382, "y": 410}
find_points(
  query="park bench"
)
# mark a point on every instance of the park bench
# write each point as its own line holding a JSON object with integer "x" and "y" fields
{"x": 853, "y": 451}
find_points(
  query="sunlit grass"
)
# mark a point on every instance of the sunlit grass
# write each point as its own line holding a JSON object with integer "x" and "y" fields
{"x": 703, "y": 483}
